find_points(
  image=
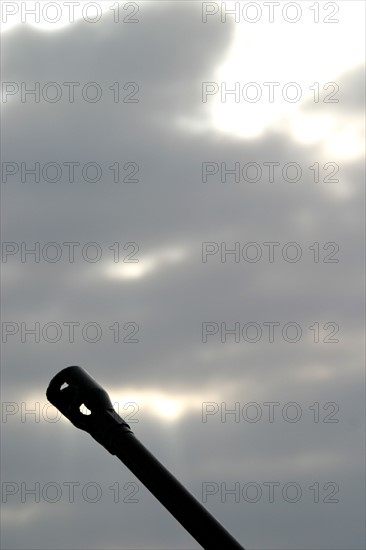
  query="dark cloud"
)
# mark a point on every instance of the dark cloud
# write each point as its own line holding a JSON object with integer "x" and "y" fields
{"x": 169, "y": 53}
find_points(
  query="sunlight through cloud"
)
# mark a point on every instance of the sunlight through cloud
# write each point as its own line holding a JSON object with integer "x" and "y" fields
{"x": 260, "y": 57}
{"x": 168, "y": 406}
{"x": 147, "y": 264}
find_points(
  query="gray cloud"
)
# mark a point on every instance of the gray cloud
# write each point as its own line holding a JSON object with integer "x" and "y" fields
{"x": 169, "y": 53}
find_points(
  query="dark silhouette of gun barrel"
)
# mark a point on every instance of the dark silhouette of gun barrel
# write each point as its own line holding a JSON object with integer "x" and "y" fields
{"x": 111, "y": 431}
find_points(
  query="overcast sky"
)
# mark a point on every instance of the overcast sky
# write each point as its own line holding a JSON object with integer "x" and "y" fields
{"x": 172, "y": 137}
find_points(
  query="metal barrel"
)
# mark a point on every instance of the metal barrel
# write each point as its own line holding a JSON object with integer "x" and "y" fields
{"x": 111, "y": 431}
